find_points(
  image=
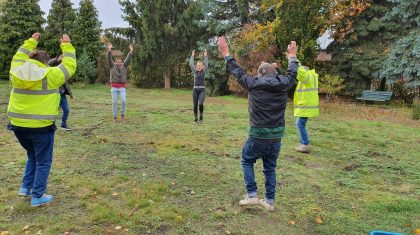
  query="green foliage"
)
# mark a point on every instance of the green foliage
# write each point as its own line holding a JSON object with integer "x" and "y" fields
{"x": 331, "y": 85}
{"x": 103, "y": 69}
{"x": 300, "y": 21}
{"x": 356, "y": 59}
{"x": 165, "y": 33}
{"x": 407, "y": 93}
{"x": 61, "y": 19}
{"x": 19, "y": 20}
{"x": 404, "y": 58}
{"x": 87, "y": 30}
{"x": 86, "y": 69}
{"x": 416, "y": 111}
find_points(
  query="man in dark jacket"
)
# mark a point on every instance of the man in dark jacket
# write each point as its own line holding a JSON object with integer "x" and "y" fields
{"x": 267, "y": 96}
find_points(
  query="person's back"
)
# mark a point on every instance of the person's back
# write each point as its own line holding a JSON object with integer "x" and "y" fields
{"x": 32, "y": 110}
{"x": 35, "y": 95}
{"x": 267, "y": 95}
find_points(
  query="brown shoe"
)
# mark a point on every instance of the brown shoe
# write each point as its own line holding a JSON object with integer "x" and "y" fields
{"x": 115, "y": 119}
{"x": 302, "y": 148}
{"x": 122, "y": 118}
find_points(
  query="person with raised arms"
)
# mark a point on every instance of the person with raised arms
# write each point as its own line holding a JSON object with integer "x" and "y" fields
{"x": 199, "y": 89}
{"x": 267, "y": 97}
{"x": 33, "y": 107}
{"x": 118, "y": 80}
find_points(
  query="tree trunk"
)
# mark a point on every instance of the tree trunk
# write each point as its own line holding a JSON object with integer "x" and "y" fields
{"x": 383, "y": 84}
{"x": 167, "y": 79}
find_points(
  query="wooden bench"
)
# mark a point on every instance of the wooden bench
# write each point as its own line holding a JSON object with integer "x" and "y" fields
{"x": 368, "y": 95}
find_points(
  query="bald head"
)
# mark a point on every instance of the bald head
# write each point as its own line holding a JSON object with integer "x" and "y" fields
{"x": 266, "y": 69}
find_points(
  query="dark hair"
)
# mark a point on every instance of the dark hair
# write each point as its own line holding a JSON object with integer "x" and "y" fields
{"x": 54, "y": 62}
{"x": 40, "y": 56}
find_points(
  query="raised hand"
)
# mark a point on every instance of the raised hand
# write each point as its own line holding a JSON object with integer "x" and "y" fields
{"x": 275, "y": 65}
{"x": 65, "y": 38}
{"x": 130, "y": 47}
{"x": 205, "y": 53}
{"x": 36, "y": 36}
{"x": 223, "y": 46}
{"x": 109, "y": 46}
{"x": 193, "y": 53}
{"x": 292, "y": 49}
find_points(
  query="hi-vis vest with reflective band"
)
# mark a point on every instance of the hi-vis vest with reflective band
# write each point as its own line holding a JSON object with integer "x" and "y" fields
{"x": 35, "y": 96}
{"x": 306, "y": 100}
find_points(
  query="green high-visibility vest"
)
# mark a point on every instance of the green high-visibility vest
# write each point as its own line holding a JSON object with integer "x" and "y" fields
{"x": 35, "y": 96}
{"x": 306, "y": 100}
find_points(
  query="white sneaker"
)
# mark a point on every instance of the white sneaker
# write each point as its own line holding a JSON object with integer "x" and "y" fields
{"x": 303, "y": 148}
{"x": 269, "y": 207}
{"x": 249, "y": 201}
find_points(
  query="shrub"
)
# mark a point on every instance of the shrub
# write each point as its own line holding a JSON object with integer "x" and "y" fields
{"x": 416, "y": 110}
{"x": 86, "y": 69}
{"x": 407, "y": 93}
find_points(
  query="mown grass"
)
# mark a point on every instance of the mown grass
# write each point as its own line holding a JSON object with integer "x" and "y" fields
{"x": 158, "y": 173}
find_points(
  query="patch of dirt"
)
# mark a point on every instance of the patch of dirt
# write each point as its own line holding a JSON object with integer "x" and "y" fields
{"x": 313, "y": 165}
{"x": 351, "y": 167}
{"x": 88, "y": 130}
{"x": 294, "y": 159}
{"x": 164, "y": 229}
{"x": 375, "y": 154}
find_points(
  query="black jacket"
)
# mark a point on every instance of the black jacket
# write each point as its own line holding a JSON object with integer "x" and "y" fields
{"x": 267, "y": 95}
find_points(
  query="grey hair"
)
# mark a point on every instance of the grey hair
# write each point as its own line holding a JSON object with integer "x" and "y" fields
{"x": 266, "y": 69}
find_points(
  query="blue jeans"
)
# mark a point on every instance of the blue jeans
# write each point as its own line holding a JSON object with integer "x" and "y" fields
{"x": 65, "y": 106}
{"x": 122, "y": 94}
{"x": 268, "y": 151}
{"x": 301, "y": 126}
{"x": 39, "y": 147}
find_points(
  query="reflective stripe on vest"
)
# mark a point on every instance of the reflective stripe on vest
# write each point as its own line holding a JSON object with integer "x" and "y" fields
{"x": 315, "y": 88}
{"x": 25, "y": 51}
{"x": 306, "y": 107}
{"x": 69, "y": 54}
{"x": 64, "y": 70}
{"x": 19, "y": 61}
{"x": 44, "y": 90}
{"x": 32, "y": 116}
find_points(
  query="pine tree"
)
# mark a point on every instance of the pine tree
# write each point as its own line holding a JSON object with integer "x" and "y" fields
{"x": 19, "y": 20}
{"x": 87, "y": 31}
{"x": 61, "y": 19}
{"x": 403, "y": 61}
{"x": 166, "y": 31}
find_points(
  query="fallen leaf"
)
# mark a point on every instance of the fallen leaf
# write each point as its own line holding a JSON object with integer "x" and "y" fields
{"x": 118, "y": 228}
{"x": 292, "y": 222}
{"x": 192, "y": 192}
{"x": 228, "y": 232}
{"x": 315, "y": 209}
{"x": 127, "y": 229}
{"x": 39, "y": 232}
{"x": 25, "y": 228}
{"x": 115, "y": 194}
{"x": 144, "y": 174}
{"x": 27, "y": 232}
{"x": 416, "y": 231}
{"x": 173, "y": 183}
{"x": 179, "y": 218}
{"x": 4, "y": 232}
{"x": 66, "y": 233}
{"x": 181, "y": 173}
{"x": 318, "y": 220}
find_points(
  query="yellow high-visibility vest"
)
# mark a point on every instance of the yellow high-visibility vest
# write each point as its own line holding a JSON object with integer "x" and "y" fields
{"x": 306, "y": 100}
{"x": 35, "y": 96}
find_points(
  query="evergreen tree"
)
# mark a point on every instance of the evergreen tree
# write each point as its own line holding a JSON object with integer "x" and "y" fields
{"x": 360, "y": 56}
{"x": 87, "y": 30}
{"x": 166, "y": 32}
{"x": 19, "y": 20}
{"x": 61, "y": 19}
{"x": 403, "y": 61}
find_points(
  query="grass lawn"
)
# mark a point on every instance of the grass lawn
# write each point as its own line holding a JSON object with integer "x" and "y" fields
{"x": 158, "y": 173}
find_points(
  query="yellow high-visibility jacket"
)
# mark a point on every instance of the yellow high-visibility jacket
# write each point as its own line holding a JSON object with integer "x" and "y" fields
{"x": 35, "y": 96}
{"x": 306, "y": 100}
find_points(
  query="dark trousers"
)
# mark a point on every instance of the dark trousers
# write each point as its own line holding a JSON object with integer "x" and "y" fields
{"x": 268, "y": 151}
{"x": 199, "y": 94}
{"x": 65, "y": 106}
{"x": 39, "y": 144}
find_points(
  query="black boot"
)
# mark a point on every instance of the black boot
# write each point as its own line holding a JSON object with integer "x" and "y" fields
{"x": 201, "y": 119}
